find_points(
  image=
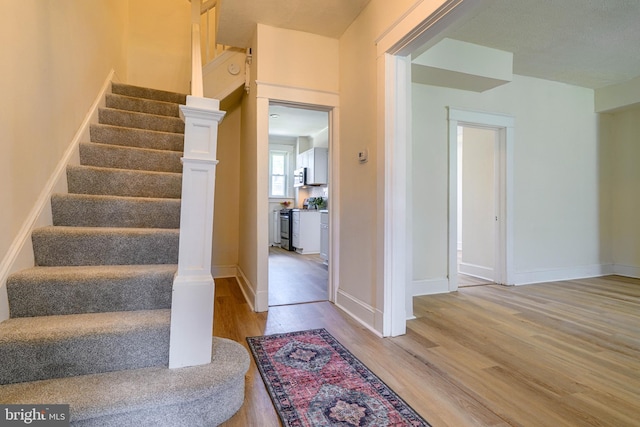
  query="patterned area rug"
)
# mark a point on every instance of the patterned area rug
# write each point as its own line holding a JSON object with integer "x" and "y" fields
{"x": 314, "y": 381}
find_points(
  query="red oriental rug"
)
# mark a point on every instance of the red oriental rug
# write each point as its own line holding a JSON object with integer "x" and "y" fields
{"x": 314, "y": 381}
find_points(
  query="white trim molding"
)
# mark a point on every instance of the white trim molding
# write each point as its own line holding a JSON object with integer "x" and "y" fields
{"x": 422, "y": 23}
{"x": 266, "y": 94}
{"x": 430, "y": 286}
{"x": 504, "y": 124}
{"x": 362, "y": 312}
{"x": 559, "y": 274}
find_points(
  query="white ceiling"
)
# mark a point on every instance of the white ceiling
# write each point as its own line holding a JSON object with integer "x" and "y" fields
{"x": 294, "y": 122}
{"x": 590, "y": 43}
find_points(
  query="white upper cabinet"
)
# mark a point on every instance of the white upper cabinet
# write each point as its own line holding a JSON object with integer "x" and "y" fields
{"x": 316, "y": 160}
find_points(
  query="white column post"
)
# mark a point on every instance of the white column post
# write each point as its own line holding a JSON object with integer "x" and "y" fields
{"x": 193, "y": 289}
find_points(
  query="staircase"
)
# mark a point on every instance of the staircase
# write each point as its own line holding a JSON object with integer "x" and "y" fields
{"x": 90, "y": 322}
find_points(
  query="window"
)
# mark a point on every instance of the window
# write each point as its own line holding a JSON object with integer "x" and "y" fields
{"x": 279, "y": 178}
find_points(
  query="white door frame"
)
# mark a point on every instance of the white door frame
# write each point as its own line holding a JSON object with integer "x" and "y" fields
{"x": 305, "y": 98}
{"x": 421, "y": 24}
{"x": 504, "y": 125}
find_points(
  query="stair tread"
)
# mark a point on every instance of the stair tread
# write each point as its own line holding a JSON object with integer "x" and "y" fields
{"x": 58, "y": 290}
{"x": 131, "y": 148}
{"x": 142, "y": 114}
{"x": 107, "y": 198}
{"x": 140, "y": 120}
{"x": 134, "y": 137}
{"x": 69, "y": 326}
{"x": 138, "y": 104}
{"x": 148, "y": 93}
{"x": 65, "y": 229}
{"x": 75, "y": 273}
{"x": 151, "y": 131}
{"x": 123, "y": 171}
{"x": 124, "y": 392}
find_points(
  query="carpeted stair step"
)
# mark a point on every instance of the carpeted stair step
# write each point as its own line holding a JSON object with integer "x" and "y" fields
{"x": 142, "y": 105}
{"x": 123, "y": 157}
{"x": 87, "y": 210}
{"x": 141, "y": 138}
{"x": 79, "y": 344}
{"x": 123, "y": 182}
{"x": 68, "y": 246}
{"x": 49, "y": 291}
{"x": 204, "y": 395}
{"x": 132, "y": 119}
{"x": 147, "y": 93}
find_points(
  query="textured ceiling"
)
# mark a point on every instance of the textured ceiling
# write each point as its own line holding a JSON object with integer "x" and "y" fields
{"x": 590, "y": 43}
{"x": 328, "y": 18}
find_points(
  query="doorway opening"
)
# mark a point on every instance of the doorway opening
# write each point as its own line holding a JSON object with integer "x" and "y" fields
{"x": 489, "y": 230}
{"x": 299, "y": 143}
{"x": 477, "y": 216}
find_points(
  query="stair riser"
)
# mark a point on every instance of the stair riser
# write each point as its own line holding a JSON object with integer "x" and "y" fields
{"x": 59, "y": 249}
{"x": 140, "y": 121}
{"x": 147, "y": 106}
{"x": 46, "y": 296}
{"x": 114, "y": 182}
{"x": 119, "y": 157}
{"x": 32, "y": 361}
{"x": 141, "y": 138}
{"x": 140, "y": 92}
{"x": 89, "y": 211}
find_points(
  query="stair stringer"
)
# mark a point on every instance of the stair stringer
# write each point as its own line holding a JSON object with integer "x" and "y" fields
{"x": 224, "y": 77}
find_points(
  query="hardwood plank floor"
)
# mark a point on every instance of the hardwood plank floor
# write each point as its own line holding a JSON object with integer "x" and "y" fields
{"x": 295, "y": 278}
{"x": 556, "y": 354}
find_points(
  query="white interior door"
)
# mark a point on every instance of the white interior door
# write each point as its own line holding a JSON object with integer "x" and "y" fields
{"x": 477, "y": 209}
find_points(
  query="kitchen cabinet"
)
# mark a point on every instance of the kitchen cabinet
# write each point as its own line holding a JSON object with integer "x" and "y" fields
{"x": 306, "y": 231}
{"x": 324, "y": 236}
{"x": 316, "y": 160}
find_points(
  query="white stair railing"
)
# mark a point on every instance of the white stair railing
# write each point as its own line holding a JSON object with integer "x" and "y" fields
{"x": 193, "y": 288}
{"x": 208, "y": 24}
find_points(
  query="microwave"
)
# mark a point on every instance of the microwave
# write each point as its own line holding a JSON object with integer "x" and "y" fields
{"x": 300, "y": 177}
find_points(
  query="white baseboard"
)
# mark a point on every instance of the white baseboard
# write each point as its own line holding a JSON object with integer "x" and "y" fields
{"x": 430, "y": 286}
{"x": 20, "y": 253}
{"x": 626, "y": 270}
{"x": 224, "y": 271}
{"x": 246, "y": 288}
{"x": 573, "y": 273}
{"x": 474, "y": 270}
{"x": 360, "y": 311}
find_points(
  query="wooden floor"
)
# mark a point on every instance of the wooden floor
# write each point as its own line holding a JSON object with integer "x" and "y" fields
{"x": 295, "y": 278}
{"x": 558, "y": 354}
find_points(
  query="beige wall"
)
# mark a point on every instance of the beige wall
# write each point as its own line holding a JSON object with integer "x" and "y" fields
{"x": 360, "y": 220}
{"x": 282, "y": 59}
{"x": 298, "y": 59}
{"x": 158, "y": 49}
{"x": 55, "y": 58}
{"x": 247, "y": 251}
{"x": 625, "y": 196}
{"x": 227, "y": 199}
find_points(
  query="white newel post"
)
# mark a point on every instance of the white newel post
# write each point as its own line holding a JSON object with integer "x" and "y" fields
{"x": 193, "y": 289}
